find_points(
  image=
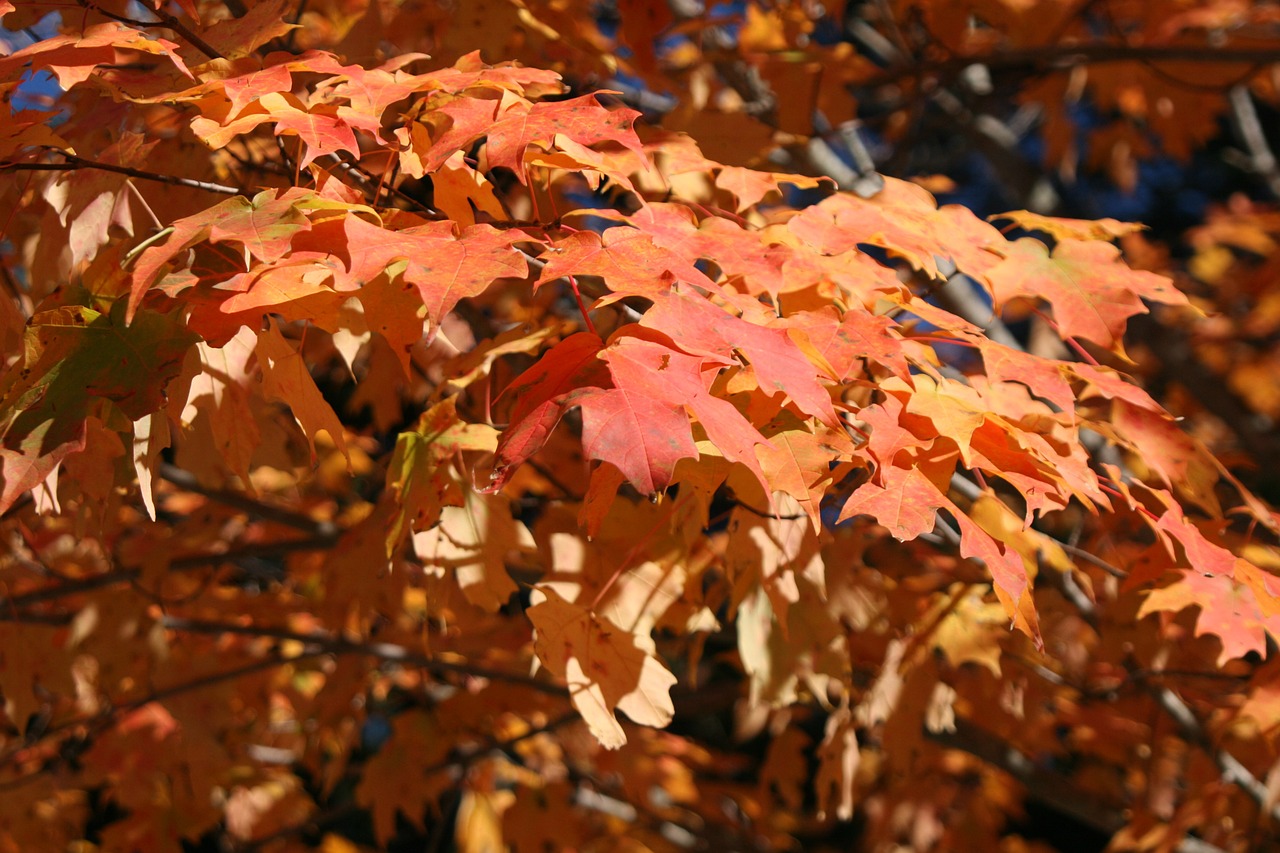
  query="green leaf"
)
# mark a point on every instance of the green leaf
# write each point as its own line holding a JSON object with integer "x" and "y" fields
{"x": 74, "y": 359}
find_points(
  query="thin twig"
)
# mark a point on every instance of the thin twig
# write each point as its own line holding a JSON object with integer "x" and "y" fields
{"x": 14, "y": 604}
{"x": 238, "y": 500}
{"x": 389, "y": 652}
{"x": 1244, "y": 116}
{"x": 74, "y": 163}
{"x": 1067, "y": 56}
{"x": 164, "y": 20}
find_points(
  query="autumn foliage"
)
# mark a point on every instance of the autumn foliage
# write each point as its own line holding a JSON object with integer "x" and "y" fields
{"x": 405, "y": 441}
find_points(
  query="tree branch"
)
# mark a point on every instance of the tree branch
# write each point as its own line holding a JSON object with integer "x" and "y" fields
{"x": 390, "y": 652}
{"x": 1067, "y": 56}
{"x": 13, "y": 604}
{"x": 164, "y": 20}
{"x": 187, "y": 481}
{"x": 74, "y": 163}
{"x": 1192, "y": 729}
{"x": 1244, "y": 117}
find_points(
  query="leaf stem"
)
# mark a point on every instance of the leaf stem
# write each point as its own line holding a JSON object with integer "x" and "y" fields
{"x": 573, "y": 282}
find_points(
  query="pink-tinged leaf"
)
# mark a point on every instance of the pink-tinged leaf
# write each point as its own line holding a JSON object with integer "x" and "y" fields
{"x": 451, "y": 268}
{"x": 1007, "y": 571}
{"x": 1112, "y": 385}
{"x": 247, "y": 88}
{"x": 660, "y": 373}
{"x": 626, "y": 258}
{"x": 900, "y": 219}
{"x": 1092, "y": 291}
{"x": 582, "y": 119}
{"x": 1045, "y": 377}
{"x": 1199, "y": 553}
{"x": 892, "y": 431}
{"x": 799, "y": 460}
{"x": 749, "y": 186}
{"x": 319, "y": 127}
{"x": 371, "y": 91}
{"x": 1229, "y": 611}
{"x": 846, "y": 342}
{"x": 30, "y": 462}
{"x": 954, "y": 408}
{"x": 699, "y": 327}
{"x": 264, "y": 226}
{"x": 1172, "y": 455}
{"x": 469, "y": 119}
{"x": 565, "y": 367}
{"x": 907, "y": 504}
{"x": 442, "y": 265}
{"x": 642, "y": 436}
{"x": 472, "y": 71}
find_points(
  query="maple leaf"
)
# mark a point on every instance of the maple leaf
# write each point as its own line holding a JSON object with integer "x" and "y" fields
{"x": 903, "y": 220}
{"x": 778, "y": 362}
{"x": 955, "y": 409}
{"x": 443, "y": 265}
{"x": 1046, "y": 378}
{"x": 473, "y": 541}
{"x": 537, "y": 395}
{"x": 221, "y": 391}
{"x": 907, "y": 503}
{"x": 749, "y": 186}
{"x": 263, "y": 636}
{"x": 511, "y": 131}
{"x": 393, "y": 781}
{"x": 1229, "y": 611}
{"x": 418, "y": 475}
{"x": 797, "y": 461}
{"x": 655, "y": 386}
{"x": 1060, "y": 228}
{"x": 844, "y": 342}
{"x": 264, "y": 227}
{"x": 74, "y": 357}
{"x": 602, "y": 666}
{"x": 319, "y": 127}
{"x": 1092, "y": 291}
{"x": 239, "y": 36}
{"x": 286, "y": 377}
{"x": 73, "y": 58}
{"x": 627, "y": 260}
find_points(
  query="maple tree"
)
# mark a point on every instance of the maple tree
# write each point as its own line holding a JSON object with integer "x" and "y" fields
{"x": 400, "y": 441}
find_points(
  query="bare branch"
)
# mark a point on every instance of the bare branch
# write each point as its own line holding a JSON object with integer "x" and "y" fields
{"x": 164, "y": 20}
{"x": 1244, "y": 117}
{"x": 74, "y": 163}
{"x": 1064, "y": 57}
{"x": 389, "y": 652}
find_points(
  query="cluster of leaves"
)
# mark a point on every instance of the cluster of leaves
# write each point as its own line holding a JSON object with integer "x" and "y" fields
{"x": 394, "y": 445}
